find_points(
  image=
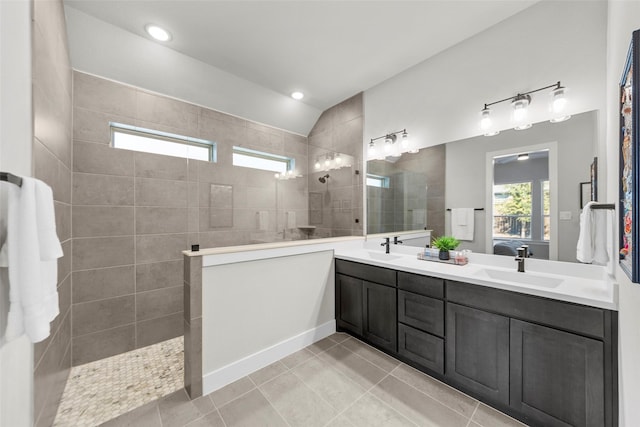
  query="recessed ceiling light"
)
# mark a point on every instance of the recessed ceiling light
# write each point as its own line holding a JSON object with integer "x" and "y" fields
{"x": 158, "y": 33}
{"x": 297, "y": 95}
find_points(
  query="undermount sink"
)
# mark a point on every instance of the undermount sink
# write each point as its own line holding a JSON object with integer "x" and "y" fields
{"x": 526, "y": 278}
{"x": 382, "y": 256}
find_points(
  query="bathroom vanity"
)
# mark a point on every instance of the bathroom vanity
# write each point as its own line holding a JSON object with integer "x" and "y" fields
{"x": 541, "y": 346}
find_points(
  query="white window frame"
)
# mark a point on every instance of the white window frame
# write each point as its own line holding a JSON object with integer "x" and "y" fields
{"x": 162, "y": 137}
{"x": 288, "y": 163}
{"x": 383, "y": 181}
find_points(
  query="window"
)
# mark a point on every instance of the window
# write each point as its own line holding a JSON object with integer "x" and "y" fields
{"x": 512, "y": 211}
{"x": 157, "y": 142}
{"x": 377, "y": 181}
{"x": 248, "y": 158}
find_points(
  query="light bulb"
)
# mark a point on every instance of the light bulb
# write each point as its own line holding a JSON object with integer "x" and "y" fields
{"x": 297, "y": 95}
{"x": 388, "y": 145}
{"x": 558, "y": 99}
{"x": 485, "y": 121}
{"x": 317, "y": 165}
{"x": 520, "y": 104}
{"x": 338, "y": 159}
{"x": 372, "y": 150}
{"x": 327, "y": 162}
{"x": 277, "y": 175}
{"x": 405, "y": 142}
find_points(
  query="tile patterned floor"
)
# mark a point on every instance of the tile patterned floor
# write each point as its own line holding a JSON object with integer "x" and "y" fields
{"x": 102, "y": 390}
{"x": 336, "y": 382}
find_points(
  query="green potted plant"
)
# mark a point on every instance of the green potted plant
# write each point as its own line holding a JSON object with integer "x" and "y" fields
{"x": 445, "y": 244}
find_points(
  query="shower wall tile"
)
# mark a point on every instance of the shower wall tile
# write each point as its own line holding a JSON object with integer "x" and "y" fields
{"x": 63, "y": 220}
{"x": 102, "y": 283}
{"x": 158, "y": 166}
{"x": 158, "y": 275}
{"x": 105, "y": 96}
{"x": 97, "y": 252}
{"x": 159, "y": 303}
{"x": 160, "y": 192}
{"x": 90, "y": 189}
{"x": 103, "y": 314}
{"x": 91, "y": 347}
{"x": 102, "y": 221}
{"x": 163, "y": 247}
{"x": 159, "y": 220}
{"x": 102, "y": 159}
{"x": 51, "y": 148}
{"x": 94, "y": 126}
{"x": 167, "y": 111}
{"x": 161, "y": 329}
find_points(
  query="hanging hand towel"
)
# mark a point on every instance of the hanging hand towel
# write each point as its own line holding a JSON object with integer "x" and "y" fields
{"x": 462, "y": 223}
{"x": 592, "y": 240}
{"x": 33, "y": 248}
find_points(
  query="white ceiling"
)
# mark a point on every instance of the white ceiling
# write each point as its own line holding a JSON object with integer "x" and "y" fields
{"x": 330, "y": 50}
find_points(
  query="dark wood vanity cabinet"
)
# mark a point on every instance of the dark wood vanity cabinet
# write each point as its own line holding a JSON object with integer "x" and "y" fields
{"x": 543, "y": 361}
{"x": 478, "y": 352}
{"x": 366, "y": 303}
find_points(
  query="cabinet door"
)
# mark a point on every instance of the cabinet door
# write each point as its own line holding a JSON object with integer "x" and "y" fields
{"x": 477, "y": 351}
{"x": 349, "y": 303}
{"x": 557, "y": 377}
{"x": 380, "y": 320}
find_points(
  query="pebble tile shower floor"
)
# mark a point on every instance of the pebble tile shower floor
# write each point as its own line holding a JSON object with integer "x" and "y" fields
{"x": 99, "y": 391}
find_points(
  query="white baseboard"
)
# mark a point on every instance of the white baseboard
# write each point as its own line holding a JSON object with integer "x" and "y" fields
{"x": 219, "y": 378}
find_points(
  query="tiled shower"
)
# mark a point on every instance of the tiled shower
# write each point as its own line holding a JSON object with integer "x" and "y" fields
{"x": 134, "y": 213}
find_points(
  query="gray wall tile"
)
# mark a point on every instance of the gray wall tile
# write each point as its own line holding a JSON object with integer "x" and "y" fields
{"x": 158, "y": 220}
{"x": 89, "y": 189}
{"x": 91, "y": 347}
{"x": 96, "y": 94}
{"x": 101, "y": 221}
{"x": 159, "y": 303}
{"x": 159, "y": 275}
{"x": 167, "y": 111}
{"x": 159, "y": 166}
{"x": 93, "y": 126}
{"x": 63, "y": 220}
{"x": 165, "y": 247}
{"x": 102, "y": 159}
{"x": 152, "y": 331}
{"x": 161, "y": 192}
{"x": 99, "y": 252}
{"x": 91, "y": 285}
{"x": 103, "y": 314}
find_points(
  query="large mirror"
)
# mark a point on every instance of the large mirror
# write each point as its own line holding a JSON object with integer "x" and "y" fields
{"x": 417, "y": 191}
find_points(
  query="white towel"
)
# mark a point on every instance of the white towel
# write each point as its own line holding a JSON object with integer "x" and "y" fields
{"x": 291, "y": 220}
{"x": 462, "y": 223}
{"x": 592, "y": 240}
{"x": 263, "y": 220}
{"x": 32, "y": 249}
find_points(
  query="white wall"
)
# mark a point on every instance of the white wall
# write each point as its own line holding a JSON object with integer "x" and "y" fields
{"x": 16, "y": 358}
{"x": 623, "y": 19}
{"x": 102, "y": 49}
{"x": 439, "y": 100}
{"x": 267, "y": 302}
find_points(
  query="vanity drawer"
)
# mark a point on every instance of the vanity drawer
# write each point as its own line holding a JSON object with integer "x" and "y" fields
{"x": 567, "y": 316}
{"x": 421, "y": 312}
{"x": 420, "y": 347}
{"x": 370, "y": 273}
{"x": 423, "y": 285}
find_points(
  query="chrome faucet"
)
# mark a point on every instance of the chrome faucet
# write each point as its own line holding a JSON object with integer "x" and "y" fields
{"x": 522, "y": 255}
{"x": 396, "y": 241}
{"x": 386, "y": 245}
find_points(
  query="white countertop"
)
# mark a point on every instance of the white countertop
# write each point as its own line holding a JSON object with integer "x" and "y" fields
{"x": 582, "y": 284}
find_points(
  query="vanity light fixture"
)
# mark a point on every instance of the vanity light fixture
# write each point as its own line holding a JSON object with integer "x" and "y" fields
{"x": 520, "y": 106}
{"x": 158, "y": 33}
{"x": 391, "y": 145}
{"x": 297, "y": 95}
